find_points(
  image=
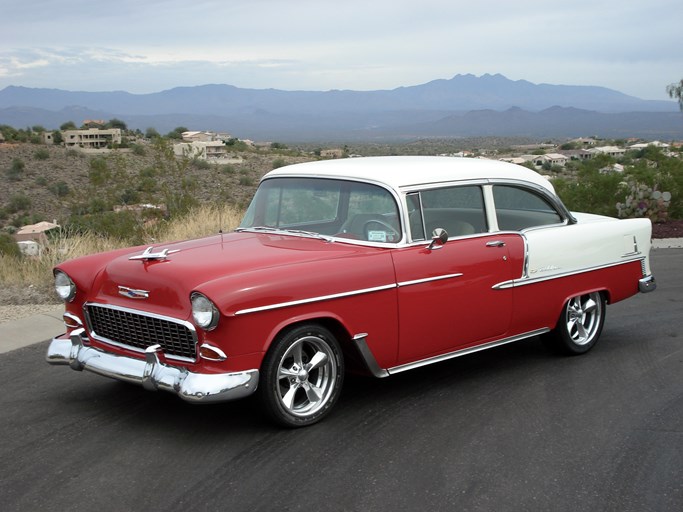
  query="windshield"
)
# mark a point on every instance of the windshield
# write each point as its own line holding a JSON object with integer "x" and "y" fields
{"x": 346, "y": 209}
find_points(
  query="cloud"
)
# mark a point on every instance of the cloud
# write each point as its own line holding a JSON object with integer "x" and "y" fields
{"x": 307, "y": 44}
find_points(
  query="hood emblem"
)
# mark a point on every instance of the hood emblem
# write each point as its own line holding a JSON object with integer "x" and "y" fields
{"x": 132, "y": 293}
{"x": 149, "y": 255}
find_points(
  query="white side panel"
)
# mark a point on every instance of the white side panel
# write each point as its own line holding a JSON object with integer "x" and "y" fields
{"x": 593, "y": 242}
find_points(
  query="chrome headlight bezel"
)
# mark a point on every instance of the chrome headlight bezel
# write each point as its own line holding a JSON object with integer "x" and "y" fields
{"x": 64, "y": 286}
{"x": 204, "y": 312}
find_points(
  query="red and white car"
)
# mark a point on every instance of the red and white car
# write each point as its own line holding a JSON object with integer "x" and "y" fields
{"x": 348, "y": 265}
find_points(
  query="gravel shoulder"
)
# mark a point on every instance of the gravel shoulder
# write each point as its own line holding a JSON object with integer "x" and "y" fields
{"x": 16, "y": 312}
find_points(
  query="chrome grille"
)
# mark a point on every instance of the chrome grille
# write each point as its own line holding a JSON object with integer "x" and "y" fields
{"x": 137, "y": 330}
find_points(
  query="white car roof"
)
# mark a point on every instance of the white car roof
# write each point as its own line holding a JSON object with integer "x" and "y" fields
{"x": 399, "y": 172}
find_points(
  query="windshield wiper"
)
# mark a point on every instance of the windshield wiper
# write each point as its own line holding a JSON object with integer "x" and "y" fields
{"x": 259, "y": 228}
{"x": 301, "y": 232}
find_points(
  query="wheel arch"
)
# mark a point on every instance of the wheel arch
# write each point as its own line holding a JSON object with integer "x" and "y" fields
{"x": 329, "y": 321}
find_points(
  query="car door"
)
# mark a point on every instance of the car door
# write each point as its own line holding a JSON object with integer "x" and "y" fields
{"x": 447, "y": 294}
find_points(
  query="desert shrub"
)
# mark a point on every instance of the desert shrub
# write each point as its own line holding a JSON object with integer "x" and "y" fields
{"x": 41, "y": 154}
{"x": 121, "y": 226}
{"x": 16, "y": 170}
{"x": 139, "y": 150}
{"x": 201, "y": 164}
{"x": 18, "y": 202}
{"x": 592, "y": 192}
{"x": 8, "y": 246}
{"x": 60, "y": 189}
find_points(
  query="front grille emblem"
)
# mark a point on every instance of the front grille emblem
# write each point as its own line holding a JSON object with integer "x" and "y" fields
{"x": 132, "y": 293}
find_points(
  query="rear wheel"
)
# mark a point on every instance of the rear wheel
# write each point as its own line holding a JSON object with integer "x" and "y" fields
{"x": 301, "y": 376}
{"x": 580, "y": 324}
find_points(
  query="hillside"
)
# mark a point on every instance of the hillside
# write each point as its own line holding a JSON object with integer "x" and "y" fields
{"x": 55, "y": 182}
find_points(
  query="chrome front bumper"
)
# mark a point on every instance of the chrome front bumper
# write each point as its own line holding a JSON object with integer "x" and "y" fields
{"x": 151, "y": 373}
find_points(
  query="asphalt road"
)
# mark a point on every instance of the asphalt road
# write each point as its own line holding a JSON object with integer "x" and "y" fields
{"x": 514, "y": 428}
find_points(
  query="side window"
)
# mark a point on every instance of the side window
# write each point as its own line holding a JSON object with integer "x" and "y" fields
{"x": 519, "y": 208}
{"x": 458, "y": 210}
{"x": 417, "y": 230}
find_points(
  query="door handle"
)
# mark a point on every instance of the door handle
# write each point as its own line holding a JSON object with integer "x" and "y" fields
{"x": 496, "y": 243}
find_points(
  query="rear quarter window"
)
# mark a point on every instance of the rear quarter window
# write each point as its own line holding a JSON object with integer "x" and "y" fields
{"x": 519, "y": 208}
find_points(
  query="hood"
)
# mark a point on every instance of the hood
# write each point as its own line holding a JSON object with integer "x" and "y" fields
{"x": 168, "y": 281}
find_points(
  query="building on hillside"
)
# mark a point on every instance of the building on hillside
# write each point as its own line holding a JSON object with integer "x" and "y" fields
{"x": 654, "y": 143}
{"x": 331, "y": 153}
{"x": 91, "y": 138}
{"x": 213, "y": 151}
{"x": 47, "y": 137}
{"x": 608, "y": 150}
{"x": 576, "y": 154}
{"x": 94, "y": 123}
{"x": 550, "y": 159}
{"x": 197, "y": 136}
{"x": 584, "y": 142}
{"x": 35, "y": 232}
{"x": 612, "y": 168}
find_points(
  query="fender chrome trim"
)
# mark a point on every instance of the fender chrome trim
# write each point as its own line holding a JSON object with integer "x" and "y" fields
{"x": 315, "y": 299}
{"x": 523, "y": 281}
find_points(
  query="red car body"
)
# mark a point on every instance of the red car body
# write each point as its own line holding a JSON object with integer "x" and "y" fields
{"x": 285, "y": 308}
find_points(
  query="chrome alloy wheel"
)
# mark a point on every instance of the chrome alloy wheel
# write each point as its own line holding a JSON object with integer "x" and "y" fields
{"x": 306, "y": 376}
{"x": 583, "y": 318}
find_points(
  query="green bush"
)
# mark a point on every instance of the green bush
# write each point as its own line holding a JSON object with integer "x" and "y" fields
{"x": 19, "y": 202}
{"x": 279, "y": 162}
{"x": 60, "y": 189}
{"x": 8, "y": 247}
{"x": 41, "y": 154}
{"x": 16, "y": 171}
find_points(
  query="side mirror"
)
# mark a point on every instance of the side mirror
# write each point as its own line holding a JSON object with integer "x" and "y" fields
{"x": 439, "y": 238}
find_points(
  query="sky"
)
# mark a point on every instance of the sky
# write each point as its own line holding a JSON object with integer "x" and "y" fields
{"x": 634, "y": 47}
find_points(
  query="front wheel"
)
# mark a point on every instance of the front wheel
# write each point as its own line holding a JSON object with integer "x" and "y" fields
{"x": 580, "y": 324}
{"x": 301, "y": 376}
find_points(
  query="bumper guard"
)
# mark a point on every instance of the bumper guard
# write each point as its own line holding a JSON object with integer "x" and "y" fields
{"x": 151, "y": 373}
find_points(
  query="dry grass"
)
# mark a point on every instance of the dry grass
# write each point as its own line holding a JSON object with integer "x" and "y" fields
{"x": 202, "y": 221}
{"x": 29, "y": 280}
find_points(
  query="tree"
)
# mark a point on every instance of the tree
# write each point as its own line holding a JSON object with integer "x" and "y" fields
{"x": 117, "y": 123}
{"x": 675, "y": 90}
{"x": 69, "y": 125}
{"x": 177, "y": 133}
{"x": 151, "y": 133}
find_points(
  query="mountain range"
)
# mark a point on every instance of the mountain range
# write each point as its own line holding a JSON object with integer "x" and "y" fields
{"x": 463, "y": 106}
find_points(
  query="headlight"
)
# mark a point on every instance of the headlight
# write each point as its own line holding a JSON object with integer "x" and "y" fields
{"x": 204, "y": 312}
{"x": 64, "y": 286}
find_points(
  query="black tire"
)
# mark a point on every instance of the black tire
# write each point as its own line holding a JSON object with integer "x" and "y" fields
{"x": 579, "y": 326}
{"x": 301, "y": 376}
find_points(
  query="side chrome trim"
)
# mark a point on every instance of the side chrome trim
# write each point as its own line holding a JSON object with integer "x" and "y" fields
{"x": 315, "y": 299}
{"x": 465, "y": 351}
{"x": 523, "y": 281}
{"x": 429, "y": 279}
{"x": 344, "y": 294}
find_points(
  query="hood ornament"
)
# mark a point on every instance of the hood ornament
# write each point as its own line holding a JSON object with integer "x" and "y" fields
{"x": 132, "y": 293}
{"x": 149, "y": 255}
